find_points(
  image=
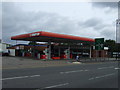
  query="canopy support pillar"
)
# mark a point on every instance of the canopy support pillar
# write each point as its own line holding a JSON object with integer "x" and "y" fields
{"x": 69, "y": 52}
{"x": 90, "y": 51}
{"x": 49, "y": 49}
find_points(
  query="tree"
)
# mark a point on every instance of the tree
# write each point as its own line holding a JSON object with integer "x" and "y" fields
{"x": 111, "y": 45}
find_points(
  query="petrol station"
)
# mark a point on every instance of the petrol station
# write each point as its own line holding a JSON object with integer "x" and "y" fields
{"x": 59, "y": 46}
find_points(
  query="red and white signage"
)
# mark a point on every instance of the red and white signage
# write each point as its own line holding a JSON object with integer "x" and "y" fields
{"x": 35, "y": 34}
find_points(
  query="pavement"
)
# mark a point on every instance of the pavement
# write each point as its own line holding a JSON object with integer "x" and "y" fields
{"x": 24, "y": 62}
{"x": 93, "y": 75}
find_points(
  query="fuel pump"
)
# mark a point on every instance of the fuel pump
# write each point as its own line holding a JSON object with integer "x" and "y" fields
{"x": 46, "y": 53}
{"x": 67, "y": 52}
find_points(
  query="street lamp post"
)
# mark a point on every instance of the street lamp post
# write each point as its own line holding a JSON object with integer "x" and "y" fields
{"x": 117, "y": 34}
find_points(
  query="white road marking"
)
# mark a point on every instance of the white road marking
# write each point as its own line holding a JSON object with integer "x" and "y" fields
{"x": 106, "y": 67}
{"x": 19, "y": 77}
{"x": 85, "y": 70}
{"x": 72, "y": 71}
{"x": 90, "y": 78}
{"x": 57, "y": 85}
{"x": 101, "y": 76}
{"x": 77, "y": 62}
{"x": 117, "y": 68}
{"x": 35, "y": 76}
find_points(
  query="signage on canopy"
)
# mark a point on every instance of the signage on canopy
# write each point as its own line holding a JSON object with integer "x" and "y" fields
{"x": 35, "y": 34}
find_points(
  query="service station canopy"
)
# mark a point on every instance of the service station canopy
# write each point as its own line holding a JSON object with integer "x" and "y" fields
{"x": 42, "y": 36}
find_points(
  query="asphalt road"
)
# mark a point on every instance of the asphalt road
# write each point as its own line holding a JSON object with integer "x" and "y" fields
{"x": 93, "y": 75}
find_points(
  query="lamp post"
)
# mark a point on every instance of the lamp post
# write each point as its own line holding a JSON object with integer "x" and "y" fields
{"x": 117, "y": 30}
{"x": 117, "y": 34}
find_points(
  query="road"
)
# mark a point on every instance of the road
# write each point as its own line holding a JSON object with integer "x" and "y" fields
{"x": 90, "y": 75}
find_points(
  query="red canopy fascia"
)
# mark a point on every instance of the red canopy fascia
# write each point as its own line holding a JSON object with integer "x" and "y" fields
{"x": 50, "y": 35}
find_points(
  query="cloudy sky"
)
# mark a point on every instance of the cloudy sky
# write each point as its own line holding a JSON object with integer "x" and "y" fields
{"x": 82, "y": 19}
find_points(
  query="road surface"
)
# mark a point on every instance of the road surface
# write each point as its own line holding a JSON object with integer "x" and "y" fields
{"x": 93, "y": 75}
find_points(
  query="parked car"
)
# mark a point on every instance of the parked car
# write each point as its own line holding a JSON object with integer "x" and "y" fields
{"x": 5, "y": 53}
{"x": 0, "y": 53}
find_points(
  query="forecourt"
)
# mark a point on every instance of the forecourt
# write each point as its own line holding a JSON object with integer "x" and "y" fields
{"x": 99, "y": 75}
{"x": 49, "y": 37}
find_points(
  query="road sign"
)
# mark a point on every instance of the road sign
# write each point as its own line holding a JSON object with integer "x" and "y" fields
{"x": 99, "y": 43}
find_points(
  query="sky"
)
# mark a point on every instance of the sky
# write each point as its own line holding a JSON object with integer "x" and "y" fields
{"x": 84, "y": 19}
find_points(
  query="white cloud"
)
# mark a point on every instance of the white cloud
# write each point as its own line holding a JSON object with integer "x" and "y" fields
{"x": 80, "y": 19}
{"x": 0, "y": 20}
